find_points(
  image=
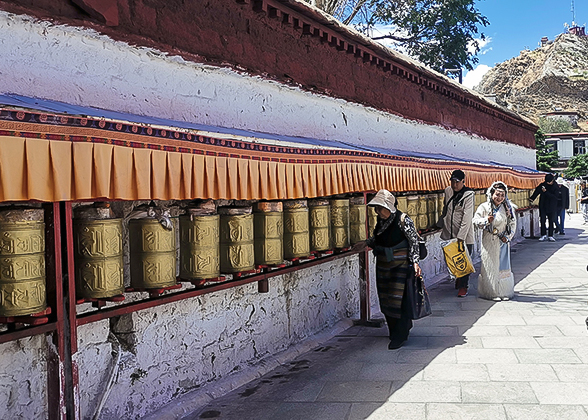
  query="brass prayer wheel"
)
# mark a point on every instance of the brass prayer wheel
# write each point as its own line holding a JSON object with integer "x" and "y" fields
{"x": 22, "y": 262}
{"x": 319, "y": 213}
{"x": 357, "y": 218}
{"x": 98, "y": 253}
{"x": 153, "y": 254}
{"x": 412, "y": 207}
{"x": 440, "y": 205}
{"x": 268, "y": 222}
{"x": 372, "y": 219}
{"x": 296, "y": 229}
{"x": 237, "y": 252}
{"x": 340, "y": 223}
{"x": 402, "y": 204}
{"x": 422, "y": 221}
{"x": 199, "y": 246}
{"x": 432, "y": 209}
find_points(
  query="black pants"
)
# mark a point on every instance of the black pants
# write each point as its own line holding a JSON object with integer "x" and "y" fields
{"x": 399, "y": 328}
{"x": 464, "y": 281}
{"x": 550, "y": 222}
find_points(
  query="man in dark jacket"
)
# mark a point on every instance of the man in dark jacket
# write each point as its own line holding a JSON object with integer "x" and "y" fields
{"x": 547, "y": 192}
{"x": 563, "y": 203}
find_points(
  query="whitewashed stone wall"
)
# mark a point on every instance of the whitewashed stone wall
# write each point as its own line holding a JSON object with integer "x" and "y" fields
{"x": 173, "y": 349}
{"x": 80, "y": 67}
{"x": 23, "y": 378}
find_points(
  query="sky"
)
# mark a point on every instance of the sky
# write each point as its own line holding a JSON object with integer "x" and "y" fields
{"x": 516, "y": 25}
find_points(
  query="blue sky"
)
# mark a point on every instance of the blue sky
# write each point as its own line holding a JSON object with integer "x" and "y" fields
{"x": 519, "y": 24}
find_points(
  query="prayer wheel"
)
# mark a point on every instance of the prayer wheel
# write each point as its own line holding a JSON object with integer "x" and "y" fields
{"x": 319, "y": 214}
{"x": 402, "y": 204}
{"x": 268, "y": 221}
{"x": 431, "y": 209}
{"x": 237, "y": 250}
{"x": 412, "y": 207}
{"x": 340, "y": 223}
{"x": 357, "y": 218}
{"x": 422, "y": 221}
{"x": 296, "y": 229}
{"x": 98, "y": 252}
{"x": 153, "y": 254}
{"x": 22, "y": 262}
{"x": 440, "y": 205}
{"x": 199, "y": 245}
{"x": 372, "y": 220}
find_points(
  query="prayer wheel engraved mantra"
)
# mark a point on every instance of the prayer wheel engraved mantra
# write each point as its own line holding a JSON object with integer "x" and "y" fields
{"x": 296, "y": 233}
{"x": 357, "y": 215}
{"x": 236, "y": 245}
{"x": 422, "y": 221}
{"x": 98, "y": 258}
{"x": 199, "y": 247}
{"x": 22, "y": 268}
{"x": 340, "y": 223}
{"x": 372, "y": 220}
{"x": 320, "y": 228}
{"x": 153, "y": 254}
{"x": 269, "y": 230}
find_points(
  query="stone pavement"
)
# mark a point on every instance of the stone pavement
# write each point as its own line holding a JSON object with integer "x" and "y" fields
{"x": 472, "y": 359}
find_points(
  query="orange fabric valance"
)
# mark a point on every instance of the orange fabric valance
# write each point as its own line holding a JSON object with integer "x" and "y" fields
{"x": 53, "y": 163}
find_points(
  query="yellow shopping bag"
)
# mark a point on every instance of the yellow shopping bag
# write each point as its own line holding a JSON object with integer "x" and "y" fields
{"x": 457, "y": 258}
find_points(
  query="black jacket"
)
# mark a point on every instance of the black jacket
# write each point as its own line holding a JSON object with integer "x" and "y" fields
{"x": 563, "y": 197}
{"x": 547, "y": 199}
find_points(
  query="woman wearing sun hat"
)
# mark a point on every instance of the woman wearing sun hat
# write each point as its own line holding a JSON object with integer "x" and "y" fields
{"x": 395, "y": 245}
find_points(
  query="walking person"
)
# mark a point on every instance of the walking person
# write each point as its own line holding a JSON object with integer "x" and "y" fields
{"x": 395, "y": 245}
{"x": 456, "y": 219}
{"x": 584, "y": 202}
{"x": 563, "y": 204}
{"x": 547, "y": 193}
{"x": 496, "y": 218}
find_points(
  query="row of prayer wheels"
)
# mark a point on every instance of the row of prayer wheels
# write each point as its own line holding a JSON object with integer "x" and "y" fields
{"x": 232, "y": 240}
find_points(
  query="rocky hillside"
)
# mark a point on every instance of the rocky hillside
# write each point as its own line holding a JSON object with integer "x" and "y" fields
{"x": 552, "y": 77}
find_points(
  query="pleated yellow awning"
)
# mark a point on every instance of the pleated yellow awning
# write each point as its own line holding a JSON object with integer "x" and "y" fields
{"x": 77, "y": 160}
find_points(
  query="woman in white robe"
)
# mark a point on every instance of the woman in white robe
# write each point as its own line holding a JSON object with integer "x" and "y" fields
{"x": 496, "y": 218}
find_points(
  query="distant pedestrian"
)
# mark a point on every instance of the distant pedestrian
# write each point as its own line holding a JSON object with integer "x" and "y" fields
{"x": 563, "y": 203}
{"x": 458, "y": 211}
{"x": 496, "y": 218}
{"x": 584, "y": 202}
{"x": 547, "y": 192}
{"x": 396, "y": 247}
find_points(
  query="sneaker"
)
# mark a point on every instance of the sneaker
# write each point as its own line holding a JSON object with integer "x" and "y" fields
{"x": 462, "y": 292}
{"x": 551, "y": 239}
{"x": 562, "y": 233}
{"x": 505, "y": 298}
{"x": 496, "y": 299}
{"x": 543, "y": 238}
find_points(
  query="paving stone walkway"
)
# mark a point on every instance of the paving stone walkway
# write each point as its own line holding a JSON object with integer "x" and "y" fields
{"x": 524, "y": 359}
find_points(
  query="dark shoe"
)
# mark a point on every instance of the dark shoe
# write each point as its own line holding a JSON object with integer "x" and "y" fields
{"x": 562, "y": 233}
{"x": 396, "y": 343}
{"x": 462, "y": 292}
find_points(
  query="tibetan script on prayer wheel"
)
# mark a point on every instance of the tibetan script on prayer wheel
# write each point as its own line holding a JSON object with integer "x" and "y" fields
{"x": 199, "y": 247}
{"x": 319, "y": 213}
{"x": 22, "y": 262}
{"x": 268, "y": 221}
{"x": 296, "y": 229}
{"x": 153, "y": 254}
{"x": 98, "y": 258}
{"x": 340, "y": 223}
{"x": 237, "y": 251}
{"x": 357, "y": 218}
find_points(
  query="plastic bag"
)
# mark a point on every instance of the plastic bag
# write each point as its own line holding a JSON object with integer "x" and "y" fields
{"x": 457, "y": 258}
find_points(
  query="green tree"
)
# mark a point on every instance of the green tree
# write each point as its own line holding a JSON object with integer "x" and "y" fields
{"x": 577, "y": 167}
{"x": 439, "y": 33}
{"x": 557, "y": 125}
{"x": 546, "y": 159}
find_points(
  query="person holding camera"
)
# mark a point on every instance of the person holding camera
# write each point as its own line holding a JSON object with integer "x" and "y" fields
{"x": 395, "y": 245}
{"x": 547, "y": 192}
{"x": 496, "y": 218}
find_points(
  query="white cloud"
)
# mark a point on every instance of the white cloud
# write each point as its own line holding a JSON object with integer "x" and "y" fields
{"x": 481, "y": 45}
{"x": 473, "y": 77}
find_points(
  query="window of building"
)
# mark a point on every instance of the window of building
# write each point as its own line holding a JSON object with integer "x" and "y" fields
{"x": 579, "y": 147}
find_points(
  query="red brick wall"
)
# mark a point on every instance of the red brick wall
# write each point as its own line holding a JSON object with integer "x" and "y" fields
{"x": 294, "y": 45}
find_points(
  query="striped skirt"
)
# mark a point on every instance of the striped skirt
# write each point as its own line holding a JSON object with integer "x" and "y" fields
{"x": 390, "y": 280}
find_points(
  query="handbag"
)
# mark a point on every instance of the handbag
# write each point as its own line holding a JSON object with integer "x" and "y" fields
{"x": 418, "y": 298}
{"x": 457, "y": 258}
